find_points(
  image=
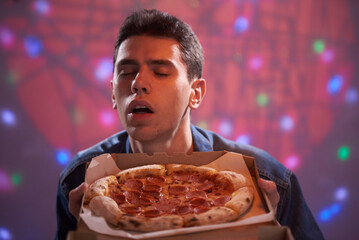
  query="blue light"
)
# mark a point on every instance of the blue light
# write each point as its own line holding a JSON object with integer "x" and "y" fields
{"x": 243, "y": 139}
{"x": 103, "y": 70}
{"x": 8, "y": 117}
{"x": 286, "y": 123}
{"x": 42, "y": 6}
{"x": 335, "y": 84}
{"x": 325, "y": 215}
{"x": 241, "y": 25}
{"x": 351, "y": 96}
{"x": 63, "y": 156}
{"x": 329, "y": 212}
{"x": 4, "y": 234}
{"x": 33, "y": 46}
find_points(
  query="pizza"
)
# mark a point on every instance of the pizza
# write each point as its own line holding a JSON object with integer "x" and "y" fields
{"x": 159, "y": 197}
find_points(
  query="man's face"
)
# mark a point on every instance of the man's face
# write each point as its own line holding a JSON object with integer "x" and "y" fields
{"x": 150, "y": 88}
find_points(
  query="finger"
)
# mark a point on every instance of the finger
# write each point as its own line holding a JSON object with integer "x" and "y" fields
{"x": 270, "y": 189}
{"x": 75, "y": 198}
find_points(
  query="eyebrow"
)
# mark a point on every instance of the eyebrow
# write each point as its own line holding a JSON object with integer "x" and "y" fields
{"x": 149, "y": 62}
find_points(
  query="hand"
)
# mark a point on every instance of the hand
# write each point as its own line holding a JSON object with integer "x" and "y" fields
{"x": 270, "y": 189}
{"x": 75, "y": 198}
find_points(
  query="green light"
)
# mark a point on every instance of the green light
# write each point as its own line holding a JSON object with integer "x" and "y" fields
{"x": 262, "y": 99}
{"x": 343, "y": 153}
{"x": 16, "y": 179}
{"x": 318, "y": 46}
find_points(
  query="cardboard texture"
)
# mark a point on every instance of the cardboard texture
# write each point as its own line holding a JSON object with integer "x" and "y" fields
{"x": 106, "y": 164}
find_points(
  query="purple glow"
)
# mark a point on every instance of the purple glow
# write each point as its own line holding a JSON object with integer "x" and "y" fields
{"x": 286, "y": 123}
{"x": 8, "y": 117}
{"x": 5, "y": 182}
{"x": 341, "y": 194}
{"x": 225, "y": 128}
{"x": 255, "y": 63}
{"x": 33, "y": 46}
{"x": 107, "y": 118}
{"x": 42, "y": 6}
{"x": 327, "y": 56}
{"x": 6, "y": 37}
{"x": 243, "y": 139}
{"x": 292, "y": 162}
{"x": 103, "y": 69}
{"x": 241, "y": 25}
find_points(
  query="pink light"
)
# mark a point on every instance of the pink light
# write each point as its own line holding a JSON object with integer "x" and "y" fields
{"x": 107, "y": 118}
{"x": 327, "y": 56}
{"x": 255, "y": 63}
{"x": 292, "y": 162}
{"x": 6, "y": 37}
{"x": 5, "y": 182}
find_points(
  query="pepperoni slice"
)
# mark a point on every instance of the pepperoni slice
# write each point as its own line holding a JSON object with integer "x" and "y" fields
{"x": 132, "y": 196}
{"x": 156, "y": 180}
{"x": 199, "y": 202}
{"x": 119, "y": 198}
{"x": 177, "y": 190}
{"x": 131, "y": 210}
{"x": 182, "y": 210}
{"x": 196, "y": 194}
{"x": 206, "y": 186}
{"x": 151, "y": 213}
{"x": 221, "y": 200}
{"x": 151, "y": 194}
{"x": 197, "y": 178}
{"x": 199, "y": 210}
{"x": 167, "y": 205}
{"x": 181, "y": 176}
{"x": 133, "y": 184}
{"x": 151, "y": 187}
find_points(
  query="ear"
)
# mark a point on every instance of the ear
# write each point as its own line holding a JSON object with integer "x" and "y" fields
{"x": 198, "y": 90}
{"x": 114, "y": 105}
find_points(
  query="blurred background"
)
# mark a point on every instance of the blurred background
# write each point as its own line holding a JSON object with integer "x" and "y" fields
{"x": 281, "y": 75}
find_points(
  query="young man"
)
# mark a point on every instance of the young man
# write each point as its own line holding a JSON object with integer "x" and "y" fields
{"x": 156, "y": 83}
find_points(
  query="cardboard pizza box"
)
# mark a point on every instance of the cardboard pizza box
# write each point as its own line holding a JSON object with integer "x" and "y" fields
{"x": 260, "y": 213}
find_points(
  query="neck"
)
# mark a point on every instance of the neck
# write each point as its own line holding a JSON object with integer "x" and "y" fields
{"x": 179, "y": 140}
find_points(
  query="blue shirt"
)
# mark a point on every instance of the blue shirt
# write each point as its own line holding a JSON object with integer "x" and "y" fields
{"x": 292, "y": 210}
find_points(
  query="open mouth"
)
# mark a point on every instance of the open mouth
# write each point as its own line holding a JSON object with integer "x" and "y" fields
{"x": 141, "y": 110}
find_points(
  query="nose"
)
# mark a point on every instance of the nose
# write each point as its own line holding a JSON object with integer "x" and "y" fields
{"x": 141, "y": 83}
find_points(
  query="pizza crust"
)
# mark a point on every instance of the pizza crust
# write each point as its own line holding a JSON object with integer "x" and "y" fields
{"x": 141, "y": 172}
{"x": 143, "y": 224}
{"x": 107, "y": 208}
{"x": 213, "y": 216}
{"x": 241, "y": 200}
{"x": 99, "y": 188}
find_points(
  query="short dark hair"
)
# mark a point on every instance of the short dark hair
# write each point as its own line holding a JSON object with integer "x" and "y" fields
{"x": 156, "y": 23}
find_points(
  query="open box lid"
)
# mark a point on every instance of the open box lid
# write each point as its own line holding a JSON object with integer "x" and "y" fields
{"x": 107, "y": 164}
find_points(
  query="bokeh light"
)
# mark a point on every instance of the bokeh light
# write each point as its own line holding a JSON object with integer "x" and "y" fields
{"x": 318, "y": 46}
{"x": 341, "y": 194}
{"x": 292, "y": 162}
{"x": 327, "y": 56}
{"x": 33, "y": 46}
{"x": 5, "y": 182}
{"x": 262, "y": 99}
{"x": 255, "y": 63}
{"x": 6, "y": 37}
{"x": 63, "y": 156}
{"x": 243, "y": 139}
{"x": 5, "y": 234}
{"x": 351, "y": 96}
{"x": 241, "y": 25}
{"x": 225, "y": 128}
{"x": 8, "y": 117}
{"x": 107, "y": 118}
{"x": 42, "y": 6}
{"x": 343, "y": 153}
{"x": 16, "y": 179}
{"x": 286, "y": 123}
{"x": 327, "y": 213}
{"x": 103, "y": 70}
{"x": 335, "y": 84}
